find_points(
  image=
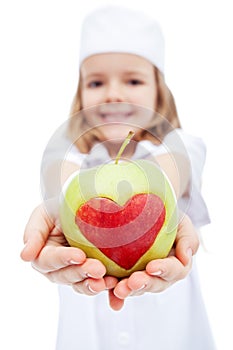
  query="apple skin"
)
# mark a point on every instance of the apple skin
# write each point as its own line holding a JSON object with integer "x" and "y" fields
{"x": 119, "y": 182}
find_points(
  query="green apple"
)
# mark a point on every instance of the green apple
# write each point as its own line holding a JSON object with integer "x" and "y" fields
{"x": 122, "y": 213}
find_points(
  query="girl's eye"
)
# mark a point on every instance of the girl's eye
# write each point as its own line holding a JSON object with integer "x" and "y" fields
{"x": 135, "y": 82}
{"x": 94, "y": 84}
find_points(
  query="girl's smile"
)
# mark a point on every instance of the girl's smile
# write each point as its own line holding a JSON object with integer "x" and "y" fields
{"x": 115, "y": 112}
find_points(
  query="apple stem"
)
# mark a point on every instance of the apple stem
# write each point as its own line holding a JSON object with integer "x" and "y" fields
{"x": 124, "y": 144}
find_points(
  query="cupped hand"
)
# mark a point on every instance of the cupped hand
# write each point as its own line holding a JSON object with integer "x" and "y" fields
{"x": 160, "y": 273}
{"x": 47, "y": 250}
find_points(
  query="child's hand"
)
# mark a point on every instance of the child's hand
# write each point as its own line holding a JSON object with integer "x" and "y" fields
{"x": 45, "y": 247}
{"x": 160, "y": 273}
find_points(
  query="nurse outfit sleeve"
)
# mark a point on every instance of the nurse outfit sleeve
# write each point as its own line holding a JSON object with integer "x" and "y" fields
{"x": 177, "y": 141}
{"x": 194, "y": 148}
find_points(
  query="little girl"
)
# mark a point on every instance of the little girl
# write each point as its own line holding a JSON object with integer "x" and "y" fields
{"x": 122, "y": 88}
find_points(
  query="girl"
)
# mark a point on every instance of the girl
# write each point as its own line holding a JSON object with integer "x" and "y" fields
{"x": 121, "y": 85}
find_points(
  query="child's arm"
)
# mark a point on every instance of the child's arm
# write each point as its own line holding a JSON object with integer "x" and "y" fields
{"x": 177, "y": 168}
{"x": 46, "y": 248}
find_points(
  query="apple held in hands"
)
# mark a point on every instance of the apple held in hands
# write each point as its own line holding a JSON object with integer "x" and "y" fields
{"x": 123, "y": 214}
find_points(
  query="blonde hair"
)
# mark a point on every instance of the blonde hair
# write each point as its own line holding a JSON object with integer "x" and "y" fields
{"x": 84, "y": 137}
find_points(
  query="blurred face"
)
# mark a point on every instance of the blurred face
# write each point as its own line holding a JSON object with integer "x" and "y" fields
{"x": 123, "y": 90}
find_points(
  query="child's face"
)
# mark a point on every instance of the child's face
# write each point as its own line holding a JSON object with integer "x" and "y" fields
{"x": 114, "y": 77}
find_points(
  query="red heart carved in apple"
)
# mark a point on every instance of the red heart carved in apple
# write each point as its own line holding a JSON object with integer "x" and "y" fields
{"x": 122, "y": 233}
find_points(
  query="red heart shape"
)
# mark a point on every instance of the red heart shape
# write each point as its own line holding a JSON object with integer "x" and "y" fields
{"x": 122, "y": 233}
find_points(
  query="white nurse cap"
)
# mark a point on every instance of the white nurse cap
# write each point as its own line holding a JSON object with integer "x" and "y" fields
{"x": 117, "y": 29}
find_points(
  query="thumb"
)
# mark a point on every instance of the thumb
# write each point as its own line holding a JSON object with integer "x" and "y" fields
{"x": 36, "y": 233}
{"x": 187, "y": 241}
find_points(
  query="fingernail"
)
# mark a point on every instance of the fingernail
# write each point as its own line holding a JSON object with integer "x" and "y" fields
{"x": 73, "y": 262}
{"x": 140, "y": 288}
{"x": 156, "y": 273}
{"x": 90, "y": 289}
{"x": 89, "y": 275}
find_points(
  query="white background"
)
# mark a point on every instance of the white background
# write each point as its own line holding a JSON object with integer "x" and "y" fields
{"x": 38, "y": 78}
